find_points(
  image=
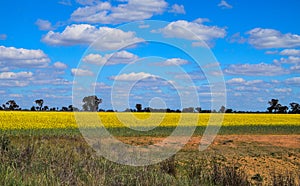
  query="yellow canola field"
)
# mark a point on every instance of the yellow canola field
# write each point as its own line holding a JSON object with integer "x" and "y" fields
{"x": 53, "y": 120}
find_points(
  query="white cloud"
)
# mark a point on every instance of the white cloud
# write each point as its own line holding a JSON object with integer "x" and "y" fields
{"x": 101, "y": 85}
{"x": 295, "y": 68}
{"x": 242, "y": 81}
{"x": 271, "y": 52}
{"x": 44, "y": 24}
{"x": 175, "y": 61}
{"x": 237, "y": 38}
{"x": 84, "y": 34}
{"x": 261, "y": 69}
{"x": 81, "y": 72}
{"x": 121, "y": 57}
{"x": 87, "y": 2}
{"x": 236, "y": 81}
{"x": 193, "y": 31}
{"x": 11, "y": 57}
{"x": 172, "y": 62}
{"x": 269, "y": 38}
{"x": 283, "y": 90}
{"x": 3, "y": 36}
{"x": 15, "y": 75}
{"x": 15, "y": 95}
{"x": 293, "y": 80}
{"x": 96, "y": 59}
{"x": 65, "y": 2}
{"x": 177, "y": 9}
{"x": 290, "y": 52}
{"x": 54, "y": 81}
{"x": 224, "y": 4}
{"x": 132, "y": 76}
{"x": 60, "y": 65}
{"x": 131, "y": 10}
{"x": 14, "y": 83}
{"x": 289, "y": 60}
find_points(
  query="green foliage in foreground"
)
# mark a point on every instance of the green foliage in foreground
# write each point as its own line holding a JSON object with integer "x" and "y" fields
{"x": 66, "y": 160}
{"x": 163, "y": 131}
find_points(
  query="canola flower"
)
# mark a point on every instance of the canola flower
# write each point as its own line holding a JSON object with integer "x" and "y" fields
{"x": 62, "y": 120}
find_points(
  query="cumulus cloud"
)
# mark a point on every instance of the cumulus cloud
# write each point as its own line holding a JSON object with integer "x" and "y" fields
{"x": 242, "y": 81}
{"x": 177, "y": 9}
{"x": 11, "y": 57}
{"x": 290, "y": 52}
{"x": 60, "y": 65}
{"x": 65, "y": 2}
{"x": 269, "y": 38}
{"x": 121, "y": 57}
{"x": 223, "y": 4}
{"x": 84, "y": 34}
{"x": 283, "y": 90}
{"x": 194, "y": 31}
{"x": 81, "y": 72}
{"x": 293, "y": 80}
{"x": 15, "y": 79}
{"x": 133, "y": 76}
{"x": 87, "y": 2}
{"x": 14, "y": 83}
{"x": 131, "y": 10}
{"x": 172, "y": 62}
{"x": 261, "y": 69}
{"x": 271, "y": 52}
{"x": 295, "y": 68}
{"x": 15, "y": 75}
{"x": 44, "y": 24}
{"x": 289, "y": 60}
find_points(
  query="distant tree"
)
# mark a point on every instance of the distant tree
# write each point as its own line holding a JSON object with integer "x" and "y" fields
{"x": 138, "y": 107}
{"x": 178, "y": 111}
{"x": 53, "y": 109}
{"x": 295, "y": 108}
{"x": 147, "y": 109}
{"x": 127, "y": 110}
{"x": 64, "y": 109}
{"x": 188, "y": 110}
{"x": 222, "y": 109}
{"x": 32, "y": 108}
{"x": 198, "y": 109}
{"x": 72, "y": 108}
{"x": 46, "y": 108}
{"x": 282, "y": 109}
{"x": 1, "y": 108}
{"x": 40, "y": 103}
{"x": 12, "y": 105}
{"x": 228, "y": 111}
{"x": 273, "y": 105}
{"x": 91, "y": 103}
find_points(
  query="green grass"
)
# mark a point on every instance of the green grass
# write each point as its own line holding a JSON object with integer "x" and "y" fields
{"x": 68, "y": 160}
{"x": 164, "y": 131}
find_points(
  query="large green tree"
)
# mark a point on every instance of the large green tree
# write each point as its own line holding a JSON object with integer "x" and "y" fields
{"x": 91, "y": 103}
{"x": 12, "y": 105}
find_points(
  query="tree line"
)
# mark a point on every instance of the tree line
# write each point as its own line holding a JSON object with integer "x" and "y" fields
{"x": 91, "y": 103}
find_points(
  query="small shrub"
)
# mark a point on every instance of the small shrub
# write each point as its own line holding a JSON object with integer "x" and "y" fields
{"x": 4, "y": 142}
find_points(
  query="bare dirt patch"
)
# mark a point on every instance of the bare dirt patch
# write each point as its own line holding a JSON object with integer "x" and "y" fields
{"x": 260, "y": 156}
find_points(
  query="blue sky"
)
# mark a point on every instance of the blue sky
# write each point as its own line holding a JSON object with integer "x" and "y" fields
{"x": 44, "y": 45}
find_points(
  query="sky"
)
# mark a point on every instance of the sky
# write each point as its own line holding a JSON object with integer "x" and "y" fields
{"x": 158, "y": 53}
